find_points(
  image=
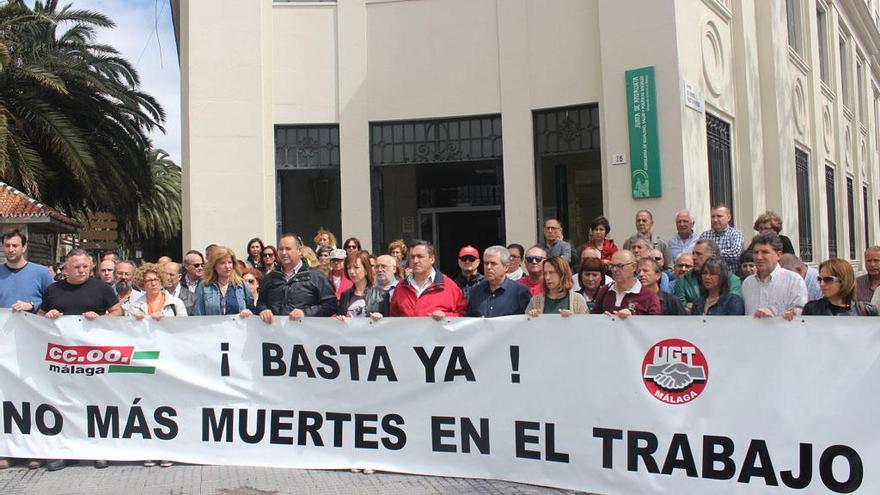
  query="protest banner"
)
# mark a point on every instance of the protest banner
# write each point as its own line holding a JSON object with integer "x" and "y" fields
{"x": 646, "y": 405}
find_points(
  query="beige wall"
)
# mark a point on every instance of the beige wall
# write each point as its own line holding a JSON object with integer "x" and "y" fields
{"x": 247, "y": 66}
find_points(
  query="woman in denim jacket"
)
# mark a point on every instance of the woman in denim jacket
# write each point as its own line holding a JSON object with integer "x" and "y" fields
{"x": 222, "y": 291}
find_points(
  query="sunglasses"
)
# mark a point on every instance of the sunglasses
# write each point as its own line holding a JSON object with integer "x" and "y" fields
{"x": 197, "y": 265}
{"x": 351, "y": 246}
{"x": 468, "y": 259}
{"x": 268, "y": 255}
{"x": 534, "y": 259}
{"x": 828, "y": 280}
{"x": 658, "y": 258}
{"x": 251, "y": 281}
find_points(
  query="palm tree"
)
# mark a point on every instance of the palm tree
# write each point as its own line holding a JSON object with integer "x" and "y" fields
{"x": 73, "y": 124}
{"x": 158, "y": 216}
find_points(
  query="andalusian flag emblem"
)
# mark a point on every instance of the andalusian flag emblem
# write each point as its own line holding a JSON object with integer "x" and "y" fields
{"x": 139, "y": 357}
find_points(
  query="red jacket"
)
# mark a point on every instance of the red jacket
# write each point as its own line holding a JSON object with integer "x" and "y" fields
{"x": 344, "y": 283}
{"x": 442, "y": 294}
{"x": 646, "y": 302}
{"x": 607, "y": 249}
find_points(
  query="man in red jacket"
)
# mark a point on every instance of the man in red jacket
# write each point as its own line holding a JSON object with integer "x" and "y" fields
{"x": 625, "y": 296}
{"x": 426, "y": 292}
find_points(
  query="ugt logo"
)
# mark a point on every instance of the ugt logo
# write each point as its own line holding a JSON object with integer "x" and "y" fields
{"x": 675, "y": 371}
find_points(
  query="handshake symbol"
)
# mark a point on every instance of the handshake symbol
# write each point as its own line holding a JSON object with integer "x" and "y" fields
{"x": 674, "y": 376}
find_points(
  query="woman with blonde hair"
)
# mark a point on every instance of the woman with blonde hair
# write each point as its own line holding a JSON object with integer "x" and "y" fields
{"x": 222, "y": 291}
{"x": 154, "y": 301}
{"x": 557, "y": 296}
{"x": 324, "y": 238}
{"x": 309, "y": 255}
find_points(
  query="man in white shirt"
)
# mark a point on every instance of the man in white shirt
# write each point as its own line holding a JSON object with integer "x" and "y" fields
{"x": 772, "y": 291}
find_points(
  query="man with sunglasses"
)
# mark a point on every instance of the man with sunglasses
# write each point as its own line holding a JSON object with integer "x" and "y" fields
{"x": 555, "y": 243}
{"x": 193, "y": 267}
{"x": 468, "y": 262}
{"x": 535, "y": 257}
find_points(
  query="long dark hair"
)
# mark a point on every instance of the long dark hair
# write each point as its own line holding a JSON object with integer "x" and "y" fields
{"x": 716, "y": 266}
{"x": 247, "y": 250}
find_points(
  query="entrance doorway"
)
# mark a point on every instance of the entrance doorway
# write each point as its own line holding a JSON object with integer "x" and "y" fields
{"x": 440, "y": 180}
{"x": 568, "y": 169}
{"x": 450, "y": 229}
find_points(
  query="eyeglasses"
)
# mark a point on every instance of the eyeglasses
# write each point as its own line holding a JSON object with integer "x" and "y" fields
{"x": 828, "y": 280}
{"x": 534, "y": 259}
{"x": 197, "y": 265}
{"x": 684, "y": 265}
{"x": 268, "y": 255}
{"x": 351, "y": 246}
{"x": 658, "y": 258}
{"x": 619, "y": 266}
{"x": 251, "y": 281}
{"x": 515, "y": 256}
{"x": 151, "y": 280}
{"x": 468, "y": 259}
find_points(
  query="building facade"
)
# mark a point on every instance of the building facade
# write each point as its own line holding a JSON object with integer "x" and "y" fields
{"x": 470, "y": 121}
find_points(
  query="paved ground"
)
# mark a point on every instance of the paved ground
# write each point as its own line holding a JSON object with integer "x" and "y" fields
{"x": 134, "y": 479}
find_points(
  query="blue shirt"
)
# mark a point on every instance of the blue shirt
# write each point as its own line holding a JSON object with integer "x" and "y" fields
{"x": 511, "y": 298}
{"x": 678, "y": 246}
{"x": 25, "y": 284}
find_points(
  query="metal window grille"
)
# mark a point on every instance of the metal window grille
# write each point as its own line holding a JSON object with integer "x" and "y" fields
{"x": 851, "y": 217}
{"x": 805, "y": 226}
{"x": 306, "y": 146}
{"x": 832, "y": 211}
{"x": 720, "y": 170}
{"x": 567, "y": 130}
{"x": 459, "y": 139}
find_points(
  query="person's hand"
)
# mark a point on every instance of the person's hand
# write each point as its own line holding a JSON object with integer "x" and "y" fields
{"x": 90, "y": 315}
{"x": 376, "y": 316}
{"x": 157, "y": 315}
{"x": 245, "y": 313}
{"x": 21, "y": 306}
{"x": 622, "y": 314}
{"x": 266, "y": 316}
{"x": 534, "y": 313}
{"x": 789, "y": 314}
{"x": 139, "y": 315}
{"x": 297, "y": 314}
{"x": 763, "y": 313}
{"x": 341, "y": 317}
{"x": 53, "y": 314}
{"x": 565, "y": 313}
{"x": 689, "y": 308}
{"x": 438, "y": 315}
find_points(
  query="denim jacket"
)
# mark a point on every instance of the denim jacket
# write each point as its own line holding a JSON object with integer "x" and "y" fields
{"x": 208, "y": 298}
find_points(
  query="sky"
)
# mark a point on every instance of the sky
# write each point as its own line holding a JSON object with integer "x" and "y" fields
{"x": 135, "y": 38}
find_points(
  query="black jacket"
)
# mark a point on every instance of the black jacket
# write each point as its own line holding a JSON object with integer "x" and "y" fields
{"x": 308, "y": 290}
{"x": 821, "y": 307}
{"x": 376, "y": 300}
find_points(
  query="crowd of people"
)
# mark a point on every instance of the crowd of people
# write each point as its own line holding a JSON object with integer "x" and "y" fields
{"x": 713, "y": 273}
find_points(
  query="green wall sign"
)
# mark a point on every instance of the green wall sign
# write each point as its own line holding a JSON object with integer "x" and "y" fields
{"x": 644, "y": 145}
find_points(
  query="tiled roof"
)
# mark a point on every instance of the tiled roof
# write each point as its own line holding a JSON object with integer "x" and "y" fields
{"x": 16, "y": 204}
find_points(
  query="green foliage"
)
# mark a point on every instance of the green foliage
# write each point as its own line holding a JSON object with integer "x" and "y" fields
{"x": 73, "y": 124}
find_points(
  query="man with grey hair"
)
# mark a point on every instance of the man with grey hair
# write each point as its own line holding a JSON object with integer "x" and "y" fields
{"x": 497, "y": 295}
{"x": 123, "y": 287}
{"x": 534, "y": 278}
{"x": 810, "y": 275}
{"x": 644, "y": 227}
{"x": 684, "y": 239}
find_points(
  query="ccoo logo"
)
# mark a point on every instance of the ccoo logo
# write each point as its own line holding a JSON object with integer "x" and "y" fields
{"x": 675, "y": 371}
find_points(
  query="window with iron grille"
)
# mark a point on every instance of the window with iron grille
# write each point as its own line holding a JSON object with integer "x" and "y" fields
{"x": 720, "y": 171}
{"x": 832, "y": 211}
{"x": 851, "y": 217}
{"x": 805, "y": 225}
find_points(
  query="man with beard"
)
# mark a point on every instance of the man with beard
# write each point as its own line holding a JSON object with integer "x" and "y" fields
{"x": 124, "y": 290}
{"x": 386, "y": 273}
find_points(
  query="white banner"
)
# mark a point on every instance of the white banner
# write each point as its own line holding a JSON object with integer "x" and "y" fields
{"x": 647, "y": 405}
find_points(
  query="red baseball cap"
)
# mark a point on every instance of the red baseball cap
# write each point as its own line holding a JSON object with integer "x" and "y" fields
{"x": 469, "y": 251}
